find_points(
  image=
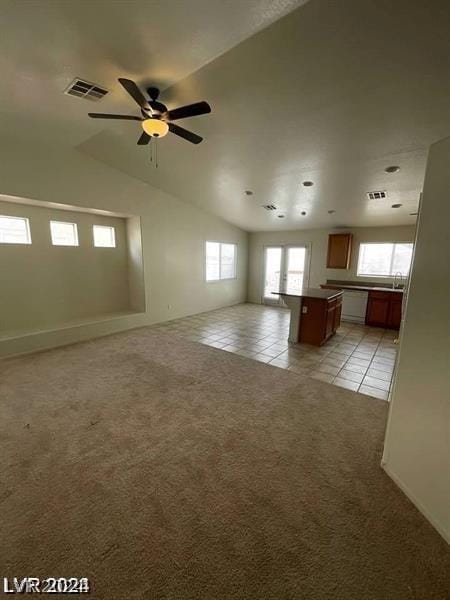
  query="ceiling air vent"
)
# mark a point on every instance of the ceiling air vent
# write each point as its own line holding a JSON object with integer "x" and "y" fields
{"x": 85, "y": 89}
{"x": 376, "y": 195}
{"x": 269, "y": 207}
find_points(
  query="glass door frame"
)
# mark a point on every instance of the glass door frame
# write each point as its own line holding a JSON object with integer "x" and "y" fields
{"x": 283, "y": 269}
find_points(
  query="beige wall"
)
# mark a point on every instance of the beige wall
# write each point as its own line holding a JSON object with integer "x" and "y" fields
{"x": 173, "y": 237}
{"x": 318, "y": 240}
{"x": 43, "y": 286}
{"x": 417, "y": 445}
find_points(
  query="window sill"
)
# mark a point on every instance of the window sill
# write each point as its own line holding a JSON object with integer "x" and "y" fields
{"x": 374, "y": 276}
{"x": 220, "y": 280}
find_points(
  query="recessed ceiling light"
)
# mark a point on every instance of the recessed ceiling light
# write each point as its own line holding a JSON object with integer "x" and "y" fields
{"x": 248, "y": 193}
{"x": 281, "y": 216}
{"x": 303, "y": 213}
{"x": 396, "y": 205}
{"x": 392, "y": 169}
{"x": 330, "y": 212}
{"x": 308, "y": 183}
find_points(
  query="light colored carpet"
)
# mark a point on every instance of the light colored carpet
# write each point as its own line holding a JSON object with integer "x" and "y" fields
{"x": 164, "y": 469}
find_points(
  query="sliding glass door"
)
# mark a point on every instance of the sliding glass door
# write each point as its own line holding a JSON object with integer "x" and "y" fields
{"x": 285, "y": 270}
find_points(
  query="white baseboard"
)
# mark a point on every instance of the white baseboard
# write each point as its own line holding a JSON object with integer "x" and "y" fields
{"x": 38, "y": 341}
{"x": 440, "y": 528}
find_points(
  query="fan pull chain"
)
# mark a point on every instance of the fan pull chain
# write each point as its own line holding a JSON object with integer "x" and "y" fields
{"x": 154, "y": 150}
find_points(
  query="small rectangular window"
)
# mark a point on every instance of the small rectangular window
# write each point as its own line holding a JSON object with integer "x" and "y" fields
{"x": 64, "y": 234}
{"x": 220, "y": 261}
{"x": 104, "y": 237}
{"x": 14, "y": 230}
{"x": 384, "y": 259}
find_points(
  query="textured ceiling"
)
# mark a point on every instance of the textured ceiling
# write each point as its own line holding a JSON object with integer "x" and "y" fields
{"x": 45, "y": 44}
{"x": 332, "y": 92}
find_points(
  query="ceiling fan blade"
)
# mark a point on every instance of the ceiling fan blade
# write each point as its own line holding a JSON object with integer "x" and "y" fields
{"x": 191, "y": 110}
{"x": 185, "y": 134}
{"x": 135, "y": 93}
{"x": 107, "y": 116}
{"x": 144, "y": 139}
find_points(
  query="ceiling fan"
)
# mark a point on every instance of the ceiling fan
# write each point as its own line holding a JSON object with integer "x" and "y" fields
{"x": 155, "y": 117}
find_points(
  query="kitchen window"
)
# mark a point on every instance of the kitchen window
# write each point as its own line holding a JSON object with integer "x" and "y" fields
{"x": 64, "y": 234}
{"x": 384, "y": 260}
{"x": 14, "y": 230}
{"x": 104, "y": 236}
{"x": 220, "y": 261}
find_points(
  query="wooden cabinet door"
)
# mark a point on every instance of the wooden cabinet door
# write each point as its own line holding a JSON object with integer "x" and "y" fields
{"x": 339, "y": 250}
{"x": 395, "y": 311}
{"x": 337, "y": 315}
{"x": 317, "y": 320}
{"x": 377, "y": 311}
{"x": 330, "y": 319}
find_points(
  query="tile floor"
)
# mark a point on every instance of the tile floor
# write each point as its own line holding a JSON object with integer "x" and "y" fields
{"x": 358, "y": 357}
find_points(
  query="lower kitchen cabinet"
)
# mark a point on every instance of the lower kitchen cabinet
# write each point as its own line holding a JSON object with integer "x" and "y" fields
{"x": 320, "y": 318}
{"x": 338, "y": 313}
{"x": 384, "y": 309}
{"x": 395, "y": 311}
{"x": 330, "y": 318}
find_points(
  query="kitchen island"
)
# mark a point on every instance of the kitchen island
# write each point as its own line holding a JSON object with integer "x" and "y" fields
{"x": 315, "y": 314}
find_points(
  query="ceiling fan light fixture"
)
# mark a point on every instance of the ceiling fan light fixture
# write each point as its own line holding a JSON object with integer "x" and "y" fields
{"x": 155, "y": 127}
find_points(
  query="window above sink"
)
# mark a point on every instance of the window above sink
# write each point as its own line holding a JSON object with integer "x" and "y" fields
{"x": 384, "y": 259}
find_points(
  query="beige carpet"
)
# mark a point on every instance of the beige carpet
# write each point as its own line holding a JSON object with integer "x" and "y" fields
{"x": 164, "y": 469}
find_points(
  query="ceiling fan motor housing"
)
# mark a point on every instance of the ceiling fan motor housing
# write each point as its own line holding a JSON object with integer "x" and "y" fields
{"x": 158, "y": 107}
{"x": 155, "y": 119}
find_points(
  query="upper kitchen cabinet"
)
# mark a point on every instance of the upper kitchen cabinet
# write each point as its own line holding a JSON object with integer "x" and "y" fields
{"x": 339, "y": 250}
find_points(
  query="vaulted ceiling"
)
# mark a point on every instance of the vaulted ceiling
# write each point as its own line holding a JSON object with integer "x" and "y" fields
{"x": 325, "y": 91}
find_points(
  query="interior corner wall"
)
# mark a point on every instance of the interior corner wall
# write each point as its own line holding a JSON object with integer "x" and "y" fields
{"x": 136, "y": 278}
{"x": 173, "y": 239}
{"x": 417, "y": 444}
{"x": 318, "y": 241}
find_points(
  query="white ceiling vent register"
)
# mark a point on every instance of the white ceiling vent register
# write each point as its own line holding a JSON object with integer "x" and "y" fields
{"x": 85, "y": 89}
{"x": 376, "y": 195}
{"x": 269, "y": 207}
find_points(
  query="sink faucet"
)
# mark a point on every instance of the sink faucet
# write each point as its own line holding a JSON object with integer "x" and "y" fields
{"x": 399, "y": 275}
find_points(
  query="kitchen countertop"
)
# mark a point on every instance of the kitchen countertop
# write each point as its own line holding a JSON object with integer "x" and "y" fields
{"x": 322, "y": 294}
{"x": 361, "y": 288}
